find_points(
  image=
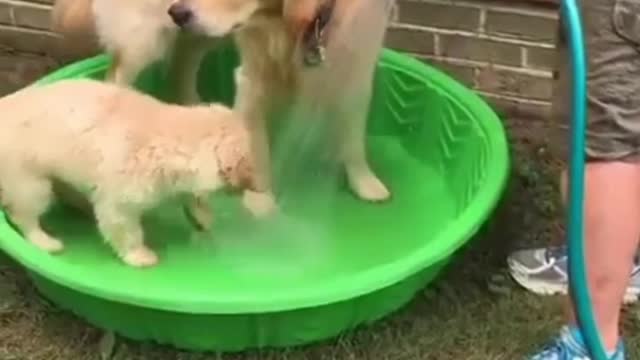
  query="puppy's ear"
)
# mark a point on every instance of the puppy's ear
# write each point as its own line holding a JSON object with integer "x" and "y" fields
{"x": 235, "y": 165}
{"x": 246, "y": 174}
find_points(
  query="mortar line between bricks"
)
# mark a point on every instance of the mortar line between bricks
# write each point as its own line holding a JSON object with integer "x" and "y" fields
{"x": 548, "y": 14}
{"x": 482, "y": 22}
{"x": 524, "y": 55}
{"x": 4, "y": 27}
{"x": 12, "y": 17}
{"x": 476, "y": 75}
{"x": 475, "y": 35}
{"x": 27, "y": 3}
{"x": 542, "y": 74}
{"x": 514, "y": 98}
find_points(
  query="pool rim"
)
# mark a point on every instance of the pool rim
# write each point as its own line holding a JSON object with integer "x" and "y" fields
{"x": 461, "y": 229}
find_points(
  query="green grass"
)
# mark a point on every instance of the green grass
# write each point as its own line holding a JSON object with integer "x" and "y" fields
{"x": 474, "y": 312}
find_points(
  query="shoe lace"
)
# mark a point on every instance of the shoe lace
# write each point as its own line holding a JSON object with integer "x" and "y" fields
{"x": 554, "y": 254}
{"x": 551, "y": 256}
{"x": 553, "y": 351}
{"x": 559, "y": 349}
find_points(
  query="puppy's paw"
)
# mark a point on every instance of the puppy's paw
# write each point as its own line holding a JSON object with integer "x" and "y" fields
{"x": 140, "y": 256}
{"x": 368, "y": 187}
{"x": 46, "y": 242}
{"x": 259, "y": 204}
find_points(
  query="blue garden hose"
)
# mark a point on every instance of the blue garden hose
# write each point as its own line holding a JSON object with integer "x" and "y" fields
{"x": 575, "y": 228}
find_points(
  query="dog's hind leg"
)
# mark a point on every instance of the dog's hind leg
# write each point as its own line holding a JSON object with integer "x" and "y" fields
{"x": 184, "y": 66}
{"x": 26, "y": 198}
{"x": 351, "y": 121}
{"x": 260, "y": 203}
{"x": 121, "y": 227}
{"x": 251, "y": 102}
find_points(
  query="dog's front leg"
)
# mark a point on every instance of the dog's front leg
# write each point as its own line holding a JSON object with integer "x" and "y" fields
{"x": 125, "y": 68}
{"x": 251, "y": 103}
{"x": 184, "y": 66}
{"x": 120, "y": 225}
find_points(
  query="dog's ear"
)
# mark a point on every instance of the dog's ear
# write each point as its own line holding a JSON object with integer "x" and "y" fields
{"x": 246, "y": 173}
{"x": 235, "y": 164}
{"x": 238, "y": 174}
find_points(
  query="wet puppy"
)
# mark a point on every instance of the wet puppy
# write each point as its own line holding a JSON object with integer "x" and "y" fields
{"x": 125, "y": 151}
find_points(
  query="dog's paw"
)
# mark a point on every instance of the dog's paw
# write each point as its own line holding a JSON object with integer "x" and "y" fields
{"x": 370, "y": 188}
{"x": 140, "y": 256}
{"x": 46, "y": 242}
{"x": 259, "y": 204}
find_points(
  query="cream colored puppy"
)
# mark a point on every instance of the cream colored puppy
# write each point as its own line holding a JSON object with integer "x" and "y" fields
{"x": 124, "y": 150}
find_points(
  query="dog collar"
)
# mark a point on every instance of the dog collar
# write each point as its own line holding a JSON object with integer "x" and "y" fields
{"x": 314, "y": 40}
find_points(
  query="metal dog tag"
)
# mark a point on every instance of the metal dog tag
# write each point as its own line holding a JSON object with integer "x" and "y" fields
{"x": 314, "y": 45}
{"x": 314, "y": 52}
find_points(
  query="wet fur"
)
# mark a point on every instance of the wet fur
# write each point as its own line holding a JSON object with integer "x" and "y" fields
{"x": 125, "y": 151}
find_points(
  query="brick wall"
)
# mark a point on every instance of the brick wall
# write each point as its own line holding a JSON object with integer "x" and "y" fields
{"x": 24, "y": 38}
{"x": 503, "y": 49}
{"x": 24, "y": 25}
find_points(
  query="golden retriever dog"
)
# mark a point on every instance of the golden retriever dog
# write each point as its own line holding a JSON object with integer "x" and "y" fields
{"x": 138, "y": 33}
{"x": 312, "y": 55}
{"x": 316, "y": 56}
{"x": 124, "y": 150}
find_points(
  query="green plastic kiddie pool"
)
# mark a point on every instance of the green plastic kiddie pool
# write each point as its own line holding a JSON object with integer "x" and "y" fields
{"x": 328, "y": 263}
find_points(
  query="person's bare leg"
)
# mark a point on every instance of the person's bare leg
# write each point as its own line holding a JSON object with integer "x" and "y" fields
{"x": 612, "y": 230}
{"x": 612, "y": 193}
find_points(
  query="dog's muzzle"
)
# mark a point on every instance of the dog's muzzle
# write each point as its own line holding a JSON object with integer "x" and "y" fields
{"x": 180, "y": 14}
